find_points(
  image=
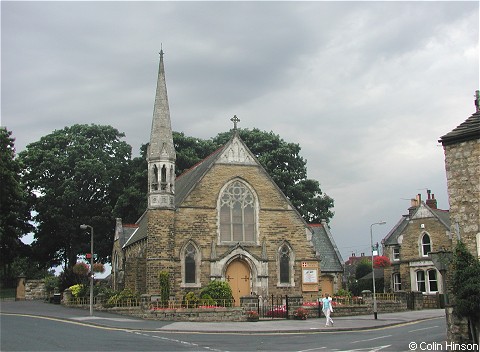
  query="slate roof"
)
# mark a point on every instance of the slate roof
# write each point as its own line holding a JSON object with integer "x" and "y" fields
{"x": 128, "y": 230}
{"x": 187, "y": 181}
{"x": 331, "y": 260}
{"x": 466, "y": 131}
{"x": 392, "y": 237}
{"x": 139, "y": 233}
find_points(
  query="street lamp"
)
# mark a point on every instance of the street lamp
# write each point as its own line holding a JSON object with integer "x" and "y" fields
{"x": 373, "y": 269}
{"x": 84, "y": 227}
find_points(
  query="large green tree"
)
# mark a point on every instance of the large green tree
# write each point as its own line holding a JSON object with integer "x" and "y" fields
{"x": 76, "y": 176}
{"x": 14, "y": 212}
{"x": 281, "y": 160}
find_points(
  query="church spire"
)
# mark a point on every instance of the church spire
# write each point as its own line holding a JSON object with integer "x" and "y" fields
{"x": 161, "y": 152}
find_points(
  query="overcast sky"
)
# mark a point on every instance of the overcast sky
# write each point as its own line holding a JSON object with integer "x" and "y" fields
{"x": 365, "y": 88}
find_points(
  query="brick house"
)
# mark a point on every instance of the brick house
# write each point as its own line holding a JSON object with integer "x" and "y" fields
{"x": 423, "y": 230}
{"x": 462, "y": 164}
{"x": 223, "y": 219}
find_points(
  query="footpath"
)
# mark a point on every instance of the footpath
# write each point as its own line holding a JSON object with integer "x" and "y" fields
{"x": 115, "y": 321}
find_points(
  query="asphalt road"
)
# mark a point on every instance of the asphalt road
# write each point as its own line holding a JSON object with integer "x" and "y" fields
{"x": 21, "y": 332}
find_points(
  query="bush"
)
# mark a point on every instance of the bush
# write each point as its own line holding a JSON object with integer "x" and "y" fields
{"x": 190, "y": 300}
{"x": 52, "y": 284}
{"x": 122, "y": 297}
{"x": 164, "y": 286}
{"x": 220, "y": 291}
{"x": 207, "y": 300}
{"x": 78, "y": 290}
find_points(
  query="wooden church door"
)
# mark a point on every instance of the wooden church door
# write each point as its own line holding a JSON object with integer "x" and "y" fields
{"x": 238, "y": 277}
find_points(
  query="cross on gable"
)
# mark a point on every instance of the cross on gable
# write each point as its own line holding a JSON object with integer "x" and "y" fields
{"x": 235, "y": 120}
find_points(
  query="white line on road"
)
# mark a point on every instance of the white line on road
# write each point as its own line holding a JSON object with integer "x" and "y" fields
{"x": 430, "y": 327}
{"x": 375, "y": 338}
{"x": 313, "y": 349}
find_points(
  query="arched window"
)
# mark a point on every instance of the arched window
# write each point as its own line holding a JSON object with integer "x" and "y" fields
{"x": 284, "y": 264}
{"x": 190, "y": 264}
{"x": 237, "y": 208}
{"x": 190, "y": 259}
{"x": 426, "y": 245}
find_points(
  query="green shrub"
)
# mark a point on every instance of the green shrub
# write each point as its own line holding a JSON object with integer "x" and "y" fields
{"x": 220, "y": 291}
{"x": 78, "y": 290}
{"x": 121, "y": 297}
{"x": 164, "y": 286}
{"x": 207, "y": 300}
{"x": 190, "y": 300}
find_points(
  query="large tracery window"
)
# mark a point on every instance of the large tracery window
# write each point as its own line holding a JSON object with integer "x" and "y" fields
{"x": 237, "y": 214}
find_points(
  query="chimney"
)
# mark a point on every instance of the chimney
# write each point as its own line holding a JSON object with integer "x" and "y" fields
{"x": 431, "y": 201}
{"x": 414, "y": 204}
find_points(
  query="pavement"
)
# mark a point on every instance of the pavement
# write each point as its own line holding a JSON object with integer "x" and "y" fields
{"x": 115, "y": 321}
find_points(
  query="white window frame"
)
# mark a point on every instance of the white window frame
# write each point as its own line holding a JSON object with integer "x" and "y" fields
{"x": 424, "y": 245}
{"x": 396, "y": 253}
{"x": 396, "y": 282}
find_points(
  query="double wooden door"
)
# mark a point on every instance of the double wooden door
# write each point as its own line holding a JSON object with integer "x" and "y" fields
{"x": 238, "y": 277}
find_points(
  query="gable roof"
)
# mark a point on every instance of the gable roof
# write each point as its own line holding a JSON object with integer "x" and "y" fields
{"x": 466, "y": 131}
{"x": 392, "y": 237}
{"x": 140, "y": 233}
{"x": 235, "y": 151}
{"x": 330, "y": 258}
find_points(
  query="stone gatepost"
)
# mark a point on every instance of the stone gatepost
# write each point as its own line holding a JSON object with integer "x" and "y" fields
{"x": 294, "y": 302}
{"x": 20, "y": 295}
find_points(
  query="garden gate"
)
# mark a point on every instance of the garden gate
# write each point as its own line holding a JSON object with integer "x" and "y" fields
{"x": 273, "y": 306}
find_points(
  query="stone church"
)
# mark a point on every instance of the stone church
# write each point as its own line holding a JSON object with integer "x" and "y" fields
{"x": 223, "y": 219}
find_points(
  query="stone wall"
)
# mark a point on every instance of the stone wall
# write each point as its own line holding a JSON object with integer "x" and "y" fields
{"x": 462, "y": 164}
{"x": 32, "y": 289}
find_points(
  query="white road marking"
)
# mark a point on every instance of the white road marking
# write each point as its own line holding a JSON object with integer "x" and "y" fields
{"x": 375, "y": 338}
{"x": 431, "y": 327}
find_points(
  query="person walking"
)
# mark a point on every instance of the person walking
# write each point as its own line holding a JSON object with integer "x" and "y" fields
{"x": 327, "y": 308}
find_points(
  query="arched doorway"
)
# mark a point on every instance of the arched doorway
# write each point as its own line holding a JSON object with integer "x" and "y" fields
{"x": 238, "y": 277}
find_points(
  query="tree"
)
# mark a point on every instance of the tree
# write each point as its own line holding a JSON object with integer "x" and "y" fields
{"x": 76, "y": 176}
{"x": 466, "y": 288}
{"x": 14, "y": 213}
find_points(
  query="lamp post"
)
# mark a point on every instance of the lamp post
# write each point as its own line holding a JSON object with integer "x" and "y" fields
{"x": 84, "y": 227}
{"x": 373, "y": 269}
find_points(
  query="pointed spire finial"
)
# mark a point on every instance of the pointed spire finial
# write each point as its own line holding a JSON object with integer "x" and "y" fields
{"x": 235, "y": 120}
{"x": 477, "y": 100}
{"x": 161, "y": 51}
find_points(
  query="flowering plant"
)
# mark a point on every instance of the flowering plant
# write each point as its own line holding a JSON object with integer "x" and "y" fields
{"x": 81, "y": 268}
{"x": 98, "y": 268}
{"x": 252, "y": 315}
{"x": 300, "y": 314}
{"x": 381, "y": 261}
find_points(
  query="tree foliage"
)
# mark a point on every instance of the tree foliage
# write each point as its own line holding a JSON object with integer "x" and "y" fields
{"x": 466, "y": 283}
{"x": 76, "y": 176}
{"x": 14, "y": 212}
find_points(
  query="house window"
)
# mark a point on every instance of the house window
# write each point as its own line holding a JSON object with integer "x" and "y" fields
{"x": 432, "y": 280}
{"x": 426, "y": 245}
{"x": 237, "y": 207}
{"x": 396, "y": 253}
{"x": 421, "y": 281}
{"x": 284, "y": 265}
{"x": 397, "y": 282}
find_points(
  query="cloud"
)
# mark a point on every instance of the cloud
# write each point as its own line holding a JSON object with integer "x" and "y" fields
{"x": 365, "y": 88}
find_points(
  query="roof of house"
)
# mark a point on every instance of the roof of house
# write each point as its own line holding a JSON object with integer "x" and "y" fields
{"x": 392, "y": 237}
{"x": 139, "y": 233}
{"x": 466, "y": 131}
{"x": 330, "y": 258}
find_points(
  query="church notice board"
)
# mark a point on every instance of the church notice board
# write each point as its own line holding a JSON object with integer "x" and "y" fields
{"x": 309, "y": 276}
